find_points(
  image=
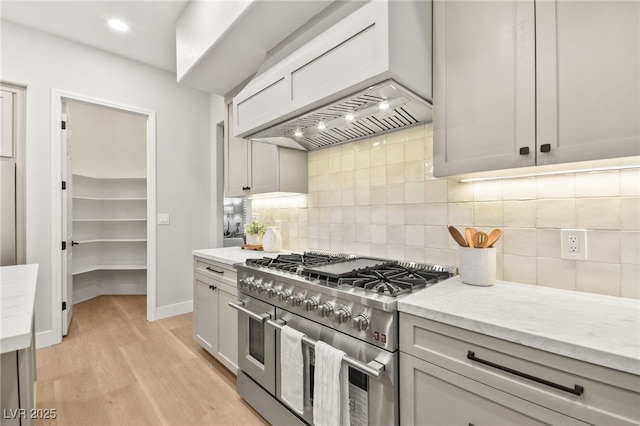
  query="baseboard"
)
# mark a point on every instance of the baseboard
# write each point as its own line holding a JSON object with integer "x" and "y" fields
{"x": 173, "y": 310}
{"x": 47, "y": 338}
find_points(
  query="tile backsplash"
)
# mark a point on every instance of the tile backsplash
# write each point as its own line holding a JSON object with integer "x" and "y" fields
{"x": 378, "y": 197}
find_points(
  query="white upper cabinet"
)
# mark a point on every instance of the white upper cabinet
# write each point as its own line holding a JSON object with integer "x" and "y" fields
{"x": 524, "y": 83}
{"x": 588, "y": 80}
{"x": 6, "y": 124}
{"x": 484, "y": 85}
{"x": 380, "y": 40}
{"x": 252, "y": 167}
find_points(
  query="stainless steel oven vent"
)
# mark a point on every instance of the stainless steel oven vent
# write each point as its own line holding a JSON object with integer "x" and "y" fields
{"x": 382, "y": 108}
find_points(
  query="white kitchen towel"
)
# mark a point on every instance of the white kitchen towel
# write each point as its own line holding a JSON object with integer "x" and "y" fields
{"x": 292, "y": 369}
{"x": 330, "y": 387}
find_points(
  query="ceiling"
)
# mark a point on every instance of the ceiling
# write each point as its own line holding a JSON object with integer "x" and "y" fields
{"x": 151, "y": 38}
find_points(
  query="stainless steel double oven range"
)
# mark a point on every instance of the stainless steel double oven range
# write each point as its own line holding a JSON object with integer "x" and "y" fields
{"x": 346, "y": 301}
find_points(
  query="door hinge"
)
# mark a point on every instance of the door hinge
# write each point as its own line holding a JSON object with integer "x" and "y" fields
{"x": 64, "y": 125}
{"x": 64, "y": 245}
{"x": 64, "y": 185}
{"x": 64, "y": 306}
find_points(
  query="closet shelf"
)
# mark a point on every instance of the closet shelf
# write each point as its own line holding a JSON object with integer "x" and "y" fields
{"x": 111, "y": 220}
{"x": 112, "y": 240}
{"x": 77, "y": 197}
{"x": 111, "y": 267}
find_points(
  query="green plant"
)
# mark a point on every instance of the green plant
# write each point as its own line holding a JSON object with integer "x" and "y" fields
{"x": 254, "y": 228}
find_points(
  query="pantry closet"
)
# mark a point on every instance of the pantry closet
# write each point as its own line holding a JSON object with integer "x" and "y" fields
{"x": 108, "y": 189}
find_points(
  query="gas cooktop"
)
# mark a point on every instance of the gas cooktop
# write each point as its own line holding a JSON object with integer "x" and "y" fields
{"x": 342, "y": 271}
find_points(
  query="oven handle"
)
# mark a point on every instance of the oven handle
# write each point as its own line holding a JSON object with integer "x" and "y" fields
{"x": 239, "y": 306}
{"x": 373, "y": 369}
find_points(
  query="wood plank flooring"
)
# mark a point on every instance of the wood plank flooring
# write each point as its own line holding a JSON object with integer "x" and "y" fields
{"x": 116, "y": 368}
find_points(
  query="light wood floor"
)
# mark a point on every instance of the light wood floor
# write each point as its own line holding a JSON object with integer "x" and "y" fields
{"x": 116, "y": 368}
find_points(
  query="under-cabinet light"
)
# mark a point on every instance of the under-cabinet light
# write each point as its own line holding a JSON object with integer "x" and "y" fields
{"x": 298, "y": 133}
{"x": 322, "y": 125}
{"x": 558, "y": 172}
{"x": 349, "y": 116}
{"x": 383, "y": 105}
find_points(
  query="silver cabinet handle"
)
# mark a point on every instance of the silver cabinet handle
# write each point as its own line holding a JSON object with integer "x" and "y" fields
{"x": 239, "y": 306}
{"x": 372, "y": 369}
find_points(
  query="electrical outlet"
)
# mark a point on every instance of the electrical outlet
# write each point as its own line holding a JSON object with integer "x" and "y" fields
{"x": 163, "y": 218}
{"x": 573, "y": 243}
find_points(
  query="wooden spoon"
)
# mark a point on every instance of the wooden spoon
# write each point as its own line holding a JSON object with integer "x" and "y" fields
{"x": 469, "y": 233}
{"x": 457, "y": 236}
{"x": 480, "y": 239}
{"x": 493, "y": 237}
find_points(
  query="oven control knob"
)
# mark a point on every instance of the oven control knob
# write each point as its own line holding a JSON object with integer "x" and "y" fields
{"x": 310, "y": 304}
{"x": 272, "y": 292}
{"x": 342, "y": 315}
{"x": 284, "y": 295}
{"x": 326, "y": 309}
{"x": 260, "y": 288}
{"x": 361, "y": 322}
{"x": 297, "y": 299}
{"x": 246, "y": 283}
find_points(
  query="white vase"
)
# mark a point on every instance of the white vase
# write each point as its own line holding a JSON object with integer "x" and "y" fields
{"x": 254, "y": 240}
{"x": 272, "y": 240}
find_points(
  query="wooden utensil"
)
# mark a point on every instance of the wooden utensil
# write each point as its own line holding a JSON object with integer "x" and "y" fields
{"x": 493, "y": 237}
{"x": 457, "y": 236}
{"x": 480, "y": 239}
{"x": 468, "y": 233}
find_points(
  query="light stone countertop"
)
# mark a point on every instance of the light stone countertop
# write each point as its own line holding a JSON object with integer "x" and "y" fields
{"x": 598, "y": 329}
{"x": 231, "y": 255}
{"x": 17, "y": 298}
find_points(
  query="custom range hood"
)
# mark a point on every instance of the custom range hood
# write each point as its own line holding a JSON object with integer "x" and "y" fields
{"x": 367, "y": 74}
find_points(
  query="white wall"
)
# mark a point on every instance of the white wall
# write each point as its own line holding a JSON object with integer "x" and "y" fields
{"x": 184, "y": 181}
{"x": 107, "y": 143}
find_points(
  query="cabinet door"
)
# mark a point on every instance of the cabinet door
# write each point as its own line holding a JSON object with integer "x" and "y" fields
{"x": 236, "y": 157}
{"x": 6, "y": 124}
{"x": 484, "y": 85}
{"x": 227, "y": 330}
{"x": 587, "y": 79}
{"x": 205, "y": 313}
{"x": 264, "y": 168}
{"x": 432, "y": 395}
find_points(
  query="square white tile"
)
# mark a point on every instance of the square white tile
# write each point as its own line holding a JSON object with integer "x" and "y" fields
{"x": 630, "y": 247}
{"x": 603, "y": 246}
{"x": 519, "y": 269}
{"x": 556, "y": 213}
{"x": 630, "y": 214}
{"x": 414, "y": 235}
{"x": 414, "y": 214}
{"x": 395, "y": 234}
{"x": 596, "y": 277}
{"x": 487, "y": 213}
{"x": 379, "y": 234}
{"x": 598, "y": 184}
{"x": 556, "y": 273}
{"x": 519, "y": 241}
{"x": 520, "y": 214}
{"x": 598, "y": 213}
{"x": 630, "y": 281}
{"x": 414, "y": 192}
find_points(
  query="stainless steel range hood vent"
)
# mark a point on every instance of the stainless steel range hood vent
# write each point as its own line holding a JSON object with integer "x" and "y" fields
{"x": 366, "y": 118}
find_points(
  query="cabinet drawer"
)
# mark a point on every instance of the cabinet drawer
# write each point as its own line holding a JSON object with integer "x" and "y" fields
{"x": 608, "y": 397}
{"x": 431, "y": 395}
{"x": 219, "y": 271}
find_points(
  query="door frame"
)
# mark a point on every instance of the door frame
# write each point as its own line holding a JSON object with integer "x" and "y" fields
{"x": 57, "y": 97}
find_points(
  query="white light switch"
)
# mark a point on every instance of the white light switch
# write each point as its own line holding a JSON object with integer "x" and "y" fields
{"x": 163, "y": 218}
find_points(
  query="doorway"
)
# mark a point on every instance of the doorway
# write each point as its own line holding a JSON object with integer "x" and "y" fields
{"x": 106, "y": 202}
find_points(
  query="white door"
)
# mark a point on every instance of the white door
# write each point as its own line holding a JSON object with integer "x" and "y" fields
{"x": 67, "y": 224}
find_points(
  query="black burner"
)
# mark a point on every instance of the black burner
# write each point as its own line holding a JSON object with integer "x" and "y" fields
{"x": 393, "y": 280}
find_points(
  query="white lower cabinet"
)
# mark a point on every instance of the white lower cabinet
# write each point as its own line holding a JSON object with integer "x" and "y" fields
{"x": 431, "y": 395}
{"x": 215, "y": 324}
{"x": 452, "y": 376}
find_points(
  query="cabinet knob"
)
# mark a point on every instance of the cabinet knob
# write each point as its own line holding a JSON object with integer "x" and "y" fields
{"x": 545, "y": 147}
{"x": 524, "y": 150}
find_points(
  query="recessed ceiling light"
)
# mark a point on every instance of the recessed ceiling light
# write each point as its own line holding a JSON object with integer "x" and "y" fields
{"x": 118, "y": 25}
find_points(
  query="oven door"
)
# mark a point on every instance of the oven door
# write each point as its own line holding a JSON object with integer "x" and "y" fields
{"x": 372, "y": 400}
{"x": 256, "y": 341}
